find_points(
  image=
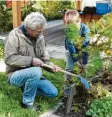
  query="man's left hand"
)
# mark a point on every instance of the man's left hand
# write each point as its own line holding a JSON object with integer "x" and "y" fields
{"x": 55, "y": 68}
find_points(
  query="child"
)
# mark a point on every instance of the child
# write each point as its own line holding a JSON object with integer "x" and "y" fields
{"x": 73, "y": 17}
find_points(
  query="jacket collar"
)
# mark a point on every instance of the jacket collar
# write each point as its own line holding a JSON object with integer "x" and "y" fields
{"x": 22, "y": 32}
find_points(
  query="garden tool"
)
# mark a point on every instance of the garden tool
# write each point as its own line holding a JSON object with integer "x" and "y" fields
{"x": 83, "y": 81}
{"x": 67, "y": 84}
{"x": 70, "y": 98}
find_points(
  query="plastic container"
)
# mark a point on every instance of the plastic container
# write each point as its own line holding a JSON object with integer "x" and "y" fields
{"x": 103, "y": 7}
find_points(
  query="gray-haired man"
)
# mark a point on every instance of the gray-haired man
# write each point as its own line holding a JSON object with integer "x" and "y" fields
{"x": 25, "y": 52}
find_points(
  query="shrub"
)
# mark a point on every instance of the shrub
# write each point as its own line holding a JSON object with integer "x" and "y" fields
{"x": 101, "y": 107}
{"x": 5, "y": 18}
{"x": 48, "y": 8}
{"x": 27, "y": 9}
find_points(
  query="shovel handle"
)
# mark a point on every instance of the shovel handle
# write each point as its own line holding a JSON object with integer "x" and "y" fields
{"x": 63, "y": 71}
{"x": 83, "y": 81}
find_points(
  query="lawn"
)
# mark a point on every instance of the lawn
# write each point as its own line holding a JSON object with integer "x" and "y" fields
{"x": 10, "y": 96}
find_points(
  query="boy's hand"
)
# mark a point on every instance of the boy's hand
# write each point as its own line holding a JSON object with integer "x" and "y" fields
{"x": 80, "y": 65}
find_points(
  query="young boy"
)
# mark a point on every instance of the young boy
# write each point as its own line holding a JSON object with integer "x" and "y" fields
{"x": 73, "y": 17}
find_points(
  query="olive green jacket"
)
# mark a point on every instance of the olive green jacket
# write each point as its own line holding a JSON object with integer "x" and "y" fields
{"x": 19, "y": 51}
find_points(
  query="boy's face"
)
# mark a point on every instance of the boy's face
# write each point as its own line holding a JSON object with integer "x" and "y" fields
{"x": 76, "y": 21}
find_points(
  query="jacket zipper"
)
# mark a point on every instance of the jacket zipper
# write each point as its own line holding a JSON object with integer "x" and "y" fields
{"x": 34, "y": 50}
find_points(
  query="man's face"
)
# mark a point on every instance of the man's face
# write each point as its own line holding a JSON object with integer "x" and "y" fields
{"x": 36, "y": 32}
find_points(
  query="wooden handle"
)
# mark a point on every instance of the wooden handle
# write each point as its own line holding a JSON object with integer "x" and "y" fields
{"x": 63, "y": 71}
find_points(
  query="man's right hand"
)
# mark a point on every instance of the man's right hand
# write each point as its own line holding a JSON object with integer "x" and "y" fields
{"x": 37, "y": 62}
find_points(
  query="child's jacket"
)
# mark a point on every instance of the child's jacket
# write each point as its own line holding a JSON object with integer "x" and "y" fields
{"x": 70, "y": 46}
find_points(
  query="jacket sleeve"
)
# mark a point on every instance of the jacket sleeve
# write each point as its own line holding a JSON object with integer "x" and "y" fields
{"x": 11, "y": 55}
{"x": 71, "y": 48}
{"x": 45, "y": 54}
{"x": 86, "y": 33}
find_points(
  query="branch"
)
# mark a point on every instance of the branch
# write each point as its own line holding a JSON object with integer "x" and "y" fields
{"x": 101, "y": 59}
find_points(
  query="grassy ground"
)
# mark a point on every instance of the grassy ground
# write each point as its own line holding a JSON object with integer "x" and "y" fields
{"x": 10, "y": 96}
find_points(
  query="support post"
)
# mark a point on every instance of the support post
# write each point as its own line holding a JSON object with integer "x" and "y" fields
{"x": 78, "y": 5}
{"x": 16, "y": 9}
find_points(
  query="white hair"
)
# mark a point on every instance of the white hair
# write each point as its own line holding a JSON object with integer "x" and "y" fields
{"x": 34, "y": 19}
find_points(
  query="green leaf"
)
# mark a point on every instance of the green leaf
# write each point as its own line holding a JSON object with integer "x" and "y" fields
{"x": 88, "y": 112}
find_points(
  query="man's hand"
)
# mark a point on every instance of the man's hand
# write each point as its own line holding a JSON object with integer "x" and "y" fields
{"x": 55, "y": 67}
{"x": 37, "y": 62}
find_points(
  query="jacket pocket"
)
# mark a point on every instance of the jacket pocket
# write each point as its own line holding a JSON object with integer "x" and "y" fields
{"x": 22, "y": 50}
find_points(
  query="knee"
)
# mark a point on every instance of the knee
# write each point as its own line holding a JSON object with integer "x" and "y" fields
{"x": 54, "y": 93}
{"x": 37, "y": 71}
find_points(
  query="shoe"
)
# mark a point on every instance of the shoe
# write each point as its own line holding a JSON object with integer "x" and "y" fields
{"x": 32, "y": 107}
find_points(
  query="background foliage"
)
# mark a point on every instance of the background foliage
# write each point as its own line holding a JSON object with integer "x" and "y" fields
{"x": 5, "y": 18}
{"x": 50, "y": 9}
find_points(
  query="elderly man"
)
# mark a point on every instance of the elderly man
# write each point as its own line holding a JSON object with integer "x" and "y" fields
{"x": 25, "y": 54}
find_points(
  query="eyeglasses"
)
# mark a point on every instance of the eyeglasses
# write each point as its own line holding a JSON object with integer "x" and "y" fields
{"x": 37, "y": 31}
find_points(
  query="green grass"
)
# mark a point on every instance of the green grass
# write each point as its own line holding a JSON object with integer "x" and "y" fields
{"x": 10, "y": 96}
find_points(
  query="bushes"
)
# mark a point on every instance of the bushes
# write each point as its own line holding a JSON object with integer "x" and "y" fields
{"x": 28, "y": 8}
{"x": 48, "y": 8}
{"x": 5, "y": 18}
{"x": 101, "y": 107}
{"x": 53, "y": 8}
